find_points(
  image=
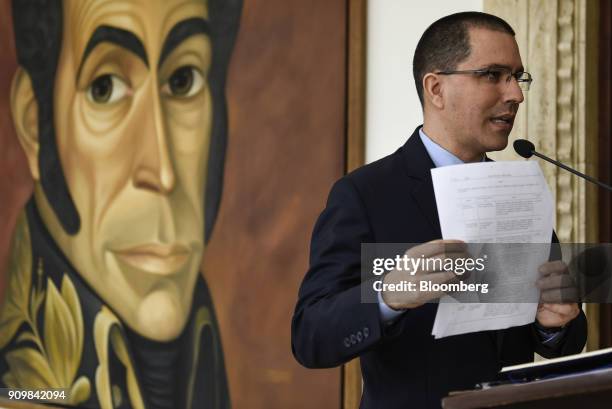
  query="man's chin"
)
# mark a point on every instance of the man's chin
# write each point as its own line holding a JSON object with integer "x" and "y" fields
{"x": 498, "y": 147}
{"x": 497, "y": 141}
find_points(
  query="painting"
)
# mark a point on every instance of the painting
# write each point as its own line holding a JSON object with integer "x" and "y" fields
{"x": 163, "y": 163}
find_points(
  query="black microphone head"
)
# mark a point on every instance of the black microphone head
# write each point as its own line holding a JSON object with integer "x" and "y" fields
{"x": 524, "y": 148}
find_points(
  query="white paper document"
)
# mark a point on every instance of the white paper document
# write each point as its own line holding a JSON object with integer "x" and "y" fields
{"x": 495, "y": 202}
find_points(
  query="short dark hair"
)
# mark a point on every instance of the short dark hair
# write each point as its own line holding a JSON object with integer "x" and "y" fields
{"x": 38, "y": 27}
{"x": 446, "y": 43}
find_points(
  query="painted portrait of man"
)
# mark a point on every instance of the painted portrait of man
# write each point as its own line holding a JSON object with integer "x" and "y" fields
{"x": 120, "y": 110}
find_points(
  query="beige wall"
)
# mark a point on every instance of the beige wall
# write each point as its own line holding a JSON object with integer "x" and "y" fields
{"x": 392, "y": 105}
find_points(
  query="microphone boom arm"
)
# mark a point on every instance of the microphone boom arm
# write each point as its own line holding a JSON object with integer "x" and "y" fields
{"x": 575, "y": 172}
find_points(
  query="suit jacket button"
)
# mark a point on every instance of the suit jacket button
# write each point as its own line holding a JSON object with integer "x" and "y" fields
{"x": 353, "y": 339}
{"x": 347, "y": 342}
{"x": 366, "y": 332}
{"x": 359, "y": 336}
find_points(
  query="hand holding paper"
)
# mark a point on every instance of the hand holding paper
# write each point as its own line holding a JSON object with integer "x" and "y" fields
{"x": 434, "y": 249}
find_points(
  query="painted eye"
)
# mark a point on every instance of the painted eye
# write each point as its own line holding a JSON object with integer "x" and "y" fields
{"x": 184, "y": 82}
{"x": 107, "y": 89}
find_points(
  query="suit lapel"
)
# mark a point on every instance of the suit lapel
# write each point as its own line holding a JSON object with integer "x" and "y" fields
{"x": 418, "y": 165}
{"x": 424, "y": 196}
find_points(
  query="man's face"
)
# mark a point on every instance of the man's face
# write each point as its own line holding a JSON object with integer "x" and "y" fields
{"x": 133, "y": 119}
{"x": 474, "y": 104}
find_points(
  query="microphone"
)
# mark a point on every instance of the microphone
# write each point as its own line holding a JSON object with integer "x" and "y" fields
{"x": 524, "y": 148}
{"x": 527, "y": 149}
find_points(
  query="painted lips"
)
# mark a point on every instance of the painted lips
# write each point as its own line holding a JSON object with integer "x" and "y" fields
{"x": 158, "y": 259}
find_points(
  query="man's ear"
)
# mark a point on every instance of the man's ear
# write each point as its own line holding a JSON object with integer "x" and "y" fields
{"x": 432, "y": 90}
{"x": 24, "y": 109}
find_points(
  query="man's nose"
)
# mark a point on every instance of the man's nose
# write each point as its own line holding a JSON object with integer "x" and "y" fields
{"x": 513, "y": 92}
{"x": 154, "y": 169}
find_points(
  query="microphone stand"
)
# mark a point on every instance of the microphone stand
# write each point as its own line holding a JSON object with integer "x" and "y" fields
{"x": 575, "y": 172}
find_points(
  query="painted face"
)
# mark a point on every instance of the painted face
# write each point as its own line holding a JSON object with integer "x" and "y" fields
{"x": 480, "y": 109}
{"x": 133, "y": 120}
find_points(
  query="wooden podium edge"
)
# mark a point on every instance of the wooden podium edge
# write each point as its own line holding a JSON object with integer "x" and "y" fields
{"x": 579, "y": 384}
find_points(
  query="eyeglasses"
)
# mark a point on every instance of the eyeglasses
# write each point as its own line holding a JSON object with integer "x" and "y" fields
{"x": 496, "y": 74}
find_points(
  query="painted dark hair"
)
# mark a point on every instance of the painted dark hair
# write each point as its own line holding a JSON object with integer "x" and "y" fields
{"x": 446, "y": 43}
{"x": 38, "y": 38}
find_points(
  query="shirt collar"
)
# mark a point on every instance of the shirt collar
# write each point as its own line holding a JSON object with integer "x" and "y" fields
{"x": 439, "y": 155}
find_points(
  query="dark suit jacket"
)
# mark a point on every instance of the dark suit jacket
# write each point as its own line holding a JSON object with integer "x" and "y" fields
{"x": 403, "y": 366}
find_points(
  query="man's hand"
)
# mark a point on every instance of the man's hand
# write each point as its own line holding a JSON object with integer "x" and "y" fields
{"x": 556, "y": 315}
{"x": 557, "y": 288}
{"x": 437, "y": 249}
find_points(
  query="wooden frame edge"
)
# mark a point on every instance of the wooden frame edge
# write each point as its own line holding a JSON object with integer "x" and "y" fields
{"x": 356, "y": 84}
{"x": 355, "y": 149}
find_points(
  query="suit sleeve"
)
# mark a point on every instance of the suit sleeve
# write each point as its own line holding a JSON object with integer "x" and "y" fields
{"x": 330, "y": 324}
{"x": 573, "y": 339}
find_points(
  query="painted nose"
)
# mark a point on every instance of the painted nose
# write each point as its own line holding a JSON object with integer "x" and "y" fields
{"x": 154, "y": 170}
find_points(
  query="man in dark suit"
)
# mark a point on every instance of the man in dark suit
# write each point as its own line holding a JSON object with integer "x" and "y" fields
{"x": 470, "y": 81}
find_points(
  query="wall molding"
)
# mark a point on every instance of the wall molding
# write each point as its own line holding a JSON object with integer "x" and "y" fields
{"x": 558, "y": 44}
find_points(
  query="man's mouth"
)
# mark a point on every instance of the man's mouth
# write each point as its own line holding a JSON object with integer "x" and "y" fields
{"x": 505, "y": 120}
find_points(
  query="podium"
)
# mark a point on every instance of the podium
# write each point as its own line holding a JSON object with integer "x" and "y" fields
{"x": 585, "y": 390}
